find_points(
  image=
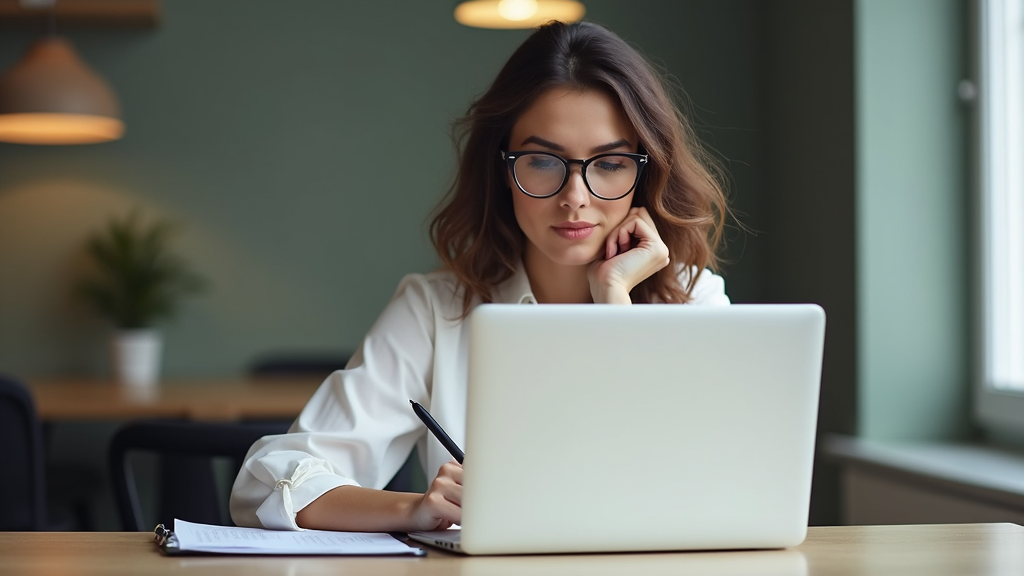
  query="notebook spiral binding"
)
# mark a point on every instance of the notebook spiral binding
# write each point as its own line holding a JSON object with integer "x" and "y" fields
{"x": 166, "y": 540}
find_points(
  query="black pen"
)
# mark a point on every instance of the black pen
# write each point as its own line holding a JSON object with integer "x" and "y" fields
{"x": 438, "y": 432}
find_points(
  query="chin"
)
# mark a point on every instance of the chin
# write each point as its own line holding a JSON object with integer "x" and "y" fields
{"x": 576, "y": 256}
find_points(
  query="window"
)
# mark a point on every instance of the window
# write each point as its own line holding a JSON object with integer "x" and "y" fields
{"x": 1000, "y": 386}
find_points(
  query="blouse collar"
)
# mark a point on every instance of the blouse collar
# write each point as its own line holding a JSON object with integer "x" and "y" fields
{"x": 516, "y": 289}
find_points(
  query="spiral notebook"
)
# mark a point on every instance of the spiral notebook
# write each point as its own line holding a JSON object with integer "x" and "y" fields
{"x": 193, "y": 538}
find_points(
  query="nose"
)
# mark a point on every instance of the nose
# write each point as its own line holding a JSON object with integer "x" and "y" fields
{"x": 575, "y": 194}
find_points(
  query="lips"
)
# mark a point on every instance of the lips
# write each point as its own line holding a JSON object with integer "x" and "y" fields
{"x": 574, "y": 230}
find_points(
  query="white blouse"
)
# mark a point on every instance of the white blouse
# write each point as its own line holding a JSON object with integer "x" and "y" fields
{"x": 358, "y": 428}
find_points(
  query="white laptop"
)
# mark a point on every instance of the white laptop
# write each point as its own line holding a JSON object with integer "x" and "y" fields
{"x": 629, "y": 428}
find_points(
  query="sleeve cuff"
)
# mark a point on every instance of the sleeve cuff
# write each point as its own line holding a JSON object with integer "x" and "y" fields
{"x": 311, "y": 480}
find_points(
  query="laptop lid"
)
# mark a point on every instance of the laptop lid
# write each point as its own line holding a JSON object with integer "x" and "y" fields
{"x": 622, "y": 428}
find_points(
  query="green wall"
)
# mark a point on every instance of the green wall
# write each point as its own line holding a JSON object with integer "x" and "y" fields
{"x": 302, "y": 146}
{"x": 912, "y": 245}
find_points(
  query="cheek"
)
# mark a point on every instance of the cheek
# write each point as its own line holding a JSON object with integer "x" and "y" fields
{"x": 618, "y": 210}
{"x": 532, "y": 214}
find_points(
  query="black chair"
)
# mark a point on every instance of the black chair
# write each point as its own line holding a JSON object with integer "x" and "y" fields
{"x": 23, "y": 481}
{"x": 189, "y": 489}
{"x": 188, "y": 486}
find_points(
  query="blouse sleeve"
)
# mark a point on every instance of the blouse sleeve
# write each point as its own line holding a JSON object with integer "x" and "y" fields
{"x": 357, "y": 429}
{"x": 709, "y": 289}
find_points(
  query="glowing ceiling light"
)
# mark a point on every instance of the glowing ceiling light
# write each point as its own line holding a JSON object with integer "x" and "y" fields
{"x": 51, "y": 96}
{"x": 517, "y": 13}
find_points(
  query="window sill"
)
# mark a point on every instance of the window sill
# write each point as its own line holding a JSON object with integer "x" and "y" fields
{"x": 979, "y": 473}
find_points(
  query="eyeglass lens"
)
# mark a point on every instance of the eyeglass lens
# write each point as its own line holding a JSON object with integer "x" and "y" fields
{"x": 608, "y": 176}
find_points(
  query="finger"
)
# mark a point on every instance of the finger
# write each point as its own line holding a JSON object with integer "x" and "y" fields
{"x": 654, "y": 243}
{"x": 448, "y": 481}
{"x": 443, "y": 490}
{"x": 644, "y": 213}
{"x": 456, "y": 474}
{"x": 454, "y": 497}
{"x": 645, "y": 217}
{"x": 443, "y": 507}
{"x": 611, "y": 245}
{"x": 452, "y": 470}
{"x": 448, "y": 490}
{"x": 625, "y": 235}
{"x": 644, "y": 230}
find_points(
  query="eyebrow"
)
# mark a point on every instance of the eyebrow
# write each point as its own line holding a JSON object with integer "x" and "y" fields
{"x": 559, "y": 148}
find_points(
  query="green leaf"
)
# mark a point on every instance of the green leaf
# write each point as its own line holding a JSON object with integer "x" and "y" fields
{"x": 136, "y": 280}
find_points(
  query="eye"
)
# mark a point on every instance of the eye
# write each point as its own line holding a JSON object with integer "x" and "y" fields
{"x": 543, "y": 162}
{"x": 610, "y": 164}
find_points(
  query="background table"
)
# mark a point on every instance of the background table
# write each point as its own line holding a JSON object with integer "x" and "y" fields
{"x": 935, "y": 550}
{"x": 81, "y": 415}
{"x": 208, "y": 399}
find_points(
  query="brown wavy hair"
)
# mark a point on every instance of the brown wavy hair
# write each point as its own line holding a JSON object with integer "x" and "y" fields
{"x": 474, "y": 229}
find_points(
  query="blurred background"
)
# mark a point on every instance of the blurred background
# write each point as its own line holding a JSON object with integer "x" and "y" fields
{"x": 301, "y": 145}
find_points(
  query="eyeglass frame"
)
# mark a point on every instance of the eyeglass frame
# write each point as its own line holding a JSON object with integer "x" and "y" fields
{"x": 511, "y": 156}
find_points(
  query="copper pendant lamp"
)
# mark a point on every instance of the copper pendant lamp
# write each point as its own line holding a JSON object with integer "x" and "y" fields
{"x": 517, "y": 13}
{"x": 52, "y": 97}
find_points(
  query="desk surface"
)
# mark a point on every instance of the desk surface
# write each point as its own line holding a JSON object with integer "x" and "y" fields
{"x": 937, "y": 550}
{"x": 212, "y": 399}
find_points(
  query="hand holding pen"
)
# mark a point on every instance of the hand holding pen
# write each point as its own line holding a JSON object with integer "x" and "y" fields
{"x": 443, "y": 500}
{"x": 438, "y": 432}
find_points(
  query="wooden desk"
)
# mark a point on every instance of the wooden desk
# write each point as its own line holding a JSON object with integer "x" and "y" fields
{"x": 936, "y": 550}
{"x": 224, "y": 399}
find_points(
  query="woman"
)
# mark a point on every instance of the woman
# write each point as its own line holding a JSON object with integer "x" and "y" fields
{"x": 579, "y": 182}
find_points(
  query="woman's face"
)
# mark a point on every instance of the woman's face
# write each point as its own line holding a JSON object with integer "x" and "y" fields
{"x": 570, "y": 227}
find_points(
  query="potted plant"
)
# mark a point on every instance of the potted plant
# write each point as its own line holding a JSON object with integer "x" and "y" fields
{"x": 136, "y": 282}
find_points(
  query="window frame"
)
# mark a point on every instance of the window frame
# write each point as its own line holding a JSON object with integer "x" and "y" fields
{"x": 1000, "y": 270}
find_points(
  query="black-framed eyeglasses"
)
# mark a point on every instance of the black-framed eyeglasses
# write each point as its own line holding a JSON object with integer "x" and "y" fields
{"x": 608, "y": 176}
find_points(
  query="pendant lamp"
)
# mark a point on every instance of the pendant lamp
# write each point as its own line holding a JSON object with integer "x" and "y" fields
{"x": 52, "y": 97}
{"x": 517, "y": 13}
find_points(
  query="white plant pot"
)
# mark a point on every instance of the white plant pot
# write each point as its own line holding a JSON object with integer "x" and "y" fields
{"x": 135, "y": 356}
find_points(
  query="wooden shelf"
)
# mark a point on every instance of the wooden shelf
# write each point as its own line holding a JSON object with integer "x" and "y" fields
{"x": 73, "y": 14}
